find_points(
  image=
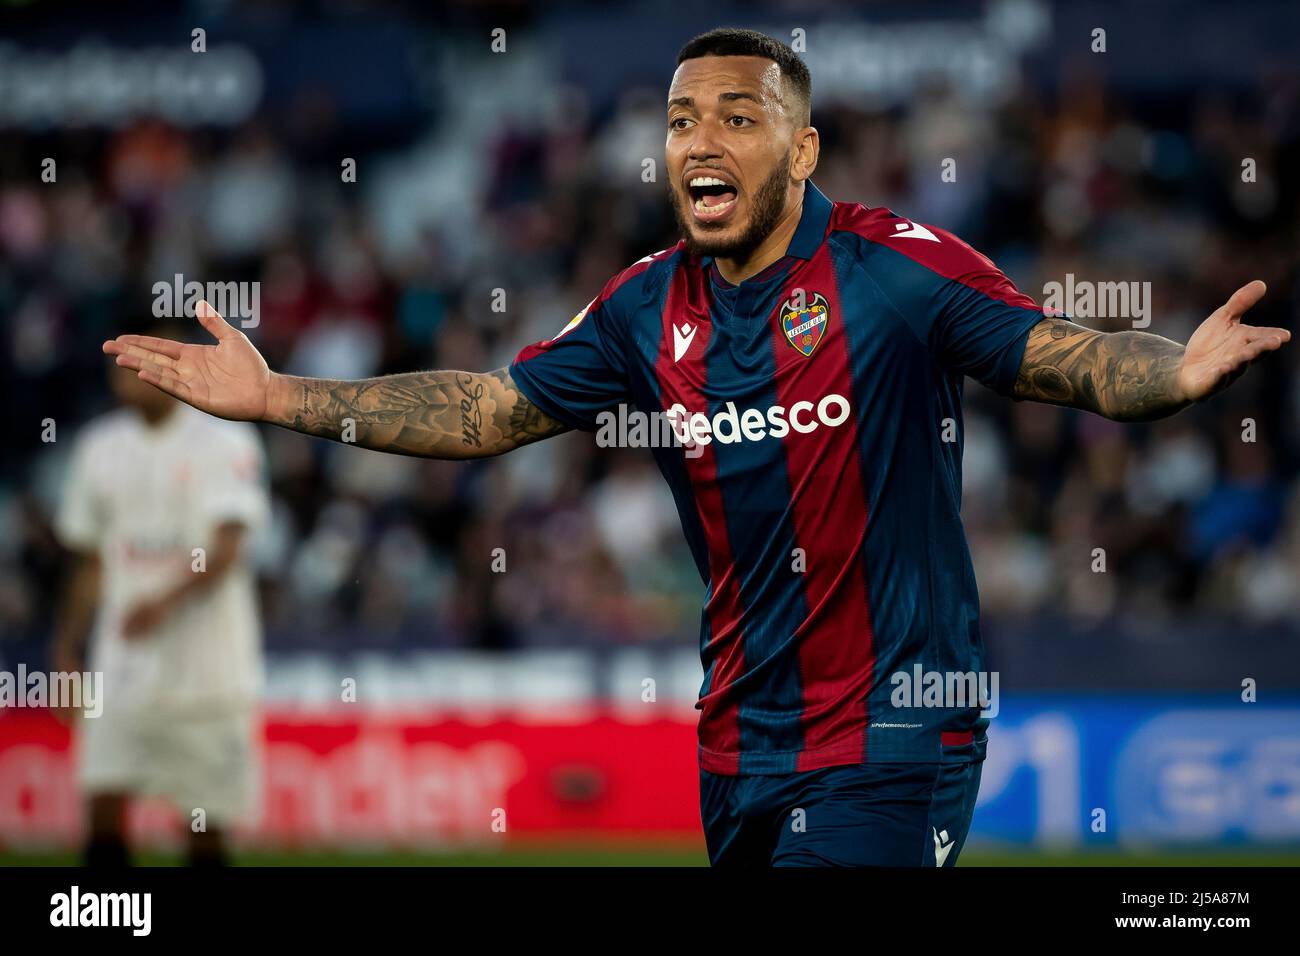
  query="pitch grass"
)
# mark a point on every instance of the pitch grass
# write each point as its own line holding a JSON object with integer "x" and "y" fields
{"x": 643, "y": 856}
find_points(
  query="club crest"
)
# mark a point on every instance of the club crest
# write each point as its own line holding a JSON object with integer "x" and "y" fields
{"x": 805, "y": 327}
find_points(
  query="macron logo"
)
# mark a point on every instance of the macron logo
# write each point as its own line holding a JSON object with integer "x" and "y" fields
{"x": 682, "y": 340}
{"x": 942, "y": 845}
{"x": 912, "y": 230}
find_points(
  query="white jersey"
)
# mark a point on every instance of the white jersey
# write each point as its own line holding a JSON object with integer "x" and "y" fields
{"x": 145, "y": 498}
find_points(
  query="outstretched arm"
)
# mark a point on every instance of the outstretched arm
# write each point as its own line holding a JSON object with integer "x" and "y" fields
{"x": 75, "y": 617}
{"x": 427, "y": 414}
{"x": 76, "y": 610}
{"x": 1136, "y": 376}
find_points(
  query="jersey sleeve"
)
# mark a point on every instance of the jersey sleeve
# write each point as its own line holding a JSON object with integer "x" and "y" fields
{"x": 80, "y": 519}
{"x": 984, "y": 322}
{"x": 582, "y": 371}
{"x": 233, "y": 490}
{"x": 973, "y": 318}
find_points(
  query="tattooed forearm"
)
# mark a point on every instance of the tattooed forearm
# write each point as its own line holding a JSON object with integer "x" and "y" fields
{"x": 1125, "y": 376}
{"x": 429, "y": 414}
{"x": 520, "y": 421}
{"x": 528, "y": 423}
{"x": 471, "y": 410}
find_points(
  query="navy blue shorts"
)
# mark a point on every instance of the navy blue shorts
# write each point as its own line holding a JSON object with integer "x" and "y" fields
{"x": 878, "y": 814}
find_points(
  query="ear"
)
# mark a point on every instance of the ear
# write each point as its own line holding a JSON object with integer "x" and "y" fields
{"x": 803, "y": 159}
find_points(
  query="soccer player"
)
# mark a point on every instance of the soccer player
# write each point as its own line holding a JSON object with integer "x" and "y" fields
{"x": 157, "y": 507}
{"x": 813, "y": 353}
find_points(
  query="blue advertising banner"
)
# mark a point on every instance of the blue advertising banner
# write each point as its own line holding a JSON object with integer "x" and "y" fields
{"x": 1133, "y": 771}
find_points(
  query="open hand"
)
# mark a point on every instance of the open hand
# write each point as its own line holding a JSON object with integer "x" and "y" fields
{"x": 230, "y": 379}
{"x": 1222, "y": 348}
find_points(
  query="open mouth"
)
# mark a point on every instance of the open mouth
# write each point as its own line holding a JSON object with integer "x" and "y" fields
{"x": 711, "y": 198}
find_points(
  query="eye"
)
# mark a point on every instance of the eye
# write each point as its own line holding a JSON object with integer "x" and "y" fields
{"x": 677, "y": 123}
{"x": 738, "y": 121}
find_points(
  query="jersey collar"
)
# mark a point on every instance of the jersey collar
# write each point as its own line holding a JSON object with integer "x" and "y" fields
{"x": 814, "y": 219}
{"x": 720, "y": 282}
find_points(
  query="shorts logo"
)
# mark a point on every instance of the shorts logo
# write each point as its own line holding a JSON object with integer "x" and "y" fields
{"x": 942, "y": 846}
{"x": 804, "y": 322}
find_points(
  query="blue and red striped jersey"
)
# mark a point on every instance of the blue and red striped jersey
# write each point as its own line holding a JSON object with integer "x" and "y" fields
{"x": 820, "y": 489}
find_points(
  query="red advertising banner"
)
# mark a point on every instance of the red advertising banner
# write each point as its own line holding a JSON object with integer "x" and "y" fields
{"x": 396, "y": 780}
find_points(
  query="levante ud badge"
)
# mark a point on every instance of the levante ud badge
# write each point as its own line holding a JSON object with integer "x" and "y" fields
{"x": 804, "y": 323}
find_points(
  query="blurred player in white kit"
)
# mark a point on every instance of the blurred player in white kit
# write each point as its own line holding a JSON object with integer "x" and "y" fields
{"x": 174, "y": 630}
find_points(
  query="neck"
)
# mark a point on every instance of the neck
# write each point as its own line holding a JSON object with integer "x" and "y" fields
{"x": 153, "y": 417}
{"x": 737, "y": 270}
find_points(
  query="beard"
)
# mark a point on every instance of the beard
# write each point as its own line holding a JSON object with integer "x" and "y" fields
{"x": 766, "y": 208}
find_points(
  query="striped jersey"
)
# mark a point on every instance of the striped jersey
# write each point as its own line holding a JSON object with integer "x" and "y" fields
{"x": 816, "y": 468}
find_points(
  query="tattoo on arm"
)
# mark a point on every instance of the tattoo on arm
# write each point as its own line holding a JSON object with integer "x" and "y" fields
{"x": 427, "y": 414}
{"x": 1124, "y": 376}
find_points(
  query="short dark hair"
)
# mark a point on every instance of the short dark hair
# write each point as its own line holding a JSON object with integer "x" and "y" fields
{"x": 729, "y": 41}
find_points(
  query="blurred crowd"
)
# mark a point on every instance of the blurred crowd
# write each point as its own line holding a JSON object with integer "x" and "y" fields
{"x": 401, "y": 270}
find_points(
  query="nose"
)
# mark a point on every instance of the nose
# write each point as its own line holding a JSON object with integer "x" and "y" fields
{"x": 702, "y": 146}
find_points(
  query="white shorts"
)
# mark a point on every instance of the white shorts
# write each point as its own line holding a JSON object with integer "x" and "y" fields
{"x": 197, "y": 762}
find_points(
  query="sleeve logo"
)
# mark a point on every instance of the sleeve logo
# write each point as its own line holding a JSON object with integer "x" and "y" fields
{"x": 575, "y": 321}
{"x": 913, "y": 230}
